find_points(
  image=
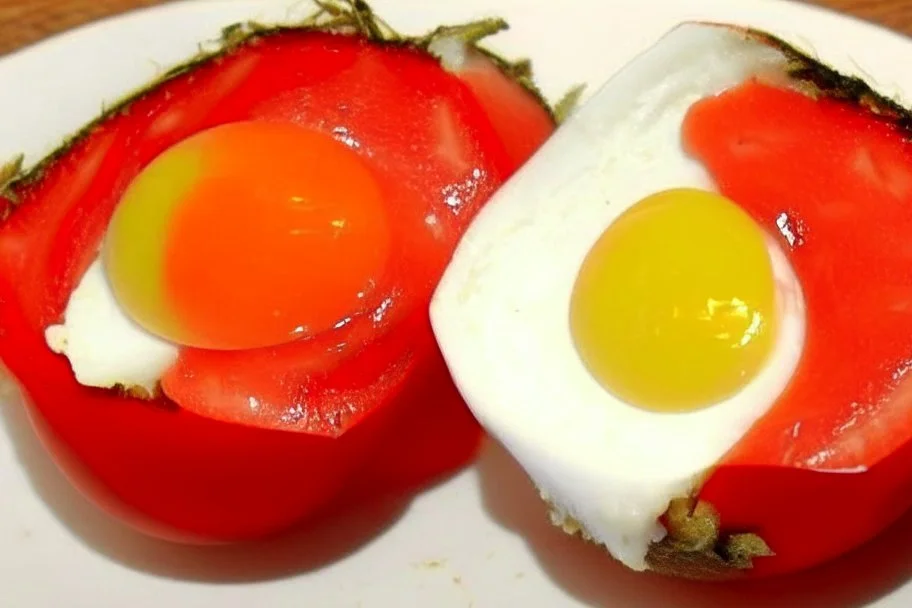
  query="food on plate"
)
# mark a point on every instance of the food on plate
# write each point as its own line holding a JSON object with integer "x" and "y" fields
{"x": 215, "y": 296}
{"x": 687, "y": 316}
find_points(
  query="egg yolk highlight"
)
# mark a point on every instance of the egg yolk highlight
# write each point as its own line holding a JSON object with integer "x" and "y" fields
{"x": 248, "y": 235}
{"x": 673, "y": 308}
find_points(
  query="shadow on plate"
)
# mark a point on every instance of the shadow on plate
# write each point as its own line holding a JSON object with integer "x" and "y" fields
{"x": 587, "y": 573}
{"x": 293, "y": 553}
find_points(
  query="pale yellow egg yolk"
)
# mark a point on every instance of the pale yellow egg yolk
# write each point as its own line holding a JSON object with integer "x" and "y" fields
{"x": 674, "y": 306}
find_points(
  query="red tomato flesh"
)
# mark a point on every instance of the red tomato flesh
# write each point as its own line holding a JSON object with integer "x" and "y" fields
{"x": 830, "y": 464}
{"x": 520, "y": 125}
{"x": 363, "y": 409}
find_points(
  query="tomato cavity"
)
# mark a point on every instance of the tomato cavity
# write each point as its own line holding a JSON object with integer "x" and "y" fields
{"x": 439, "y": 161}
{"x": 834, "y": 183}
{"x": 827, "y": 467}
{"x": 213, "y": 457}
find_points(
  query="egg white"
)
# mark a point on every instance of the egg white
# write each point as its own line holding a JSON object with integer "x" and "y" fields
{"x": 105, "y": 348}
{"x": 500, "y": 313}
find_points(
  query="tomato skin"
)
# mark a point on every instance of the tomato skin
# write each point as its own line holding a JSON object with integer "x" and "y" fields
{"x": 809, "y": 517}
{"x": 178, "y": 473}
{"x": 164, "y": 470}
{"x": 424, "y": 448}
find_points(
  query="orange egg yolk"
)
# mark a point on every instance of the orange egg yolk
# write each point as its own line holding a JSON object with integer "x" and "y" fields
{"x": 248, "y": 235}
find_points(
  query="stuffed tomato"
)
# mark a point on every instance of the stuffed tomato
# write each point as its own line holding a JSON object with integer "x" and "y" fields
{"x": 214, "y": 297}
{"x": 709, "y": 374}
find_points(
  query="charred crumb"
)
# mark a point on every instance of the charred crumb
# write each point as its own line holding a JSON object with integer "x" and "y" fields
{"x": 236, "y": 34}
{"x": 469, "y": 33}
{"x": 694, "y": 527}
{"x": 521, "y": 68}
{"x": 155, "y": 398}
{"x": 740, "y": 550}
{"x": 365, "y": 20}
{"x": 137, "y": 392}
{"x": 695, "y": 547}
{"x": 344, "y": 17}
{"x": 9, "y": 173}
{"x": 568, "y": 103}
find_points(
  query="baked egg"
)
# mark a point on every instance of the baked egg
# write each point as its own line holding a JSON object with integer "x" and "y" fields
{"x": 609, "y": 317}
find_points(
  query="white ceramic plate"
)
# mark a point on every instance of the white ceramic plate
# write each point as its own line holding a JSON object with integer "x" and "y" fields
{"x": 482, "y": 539}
